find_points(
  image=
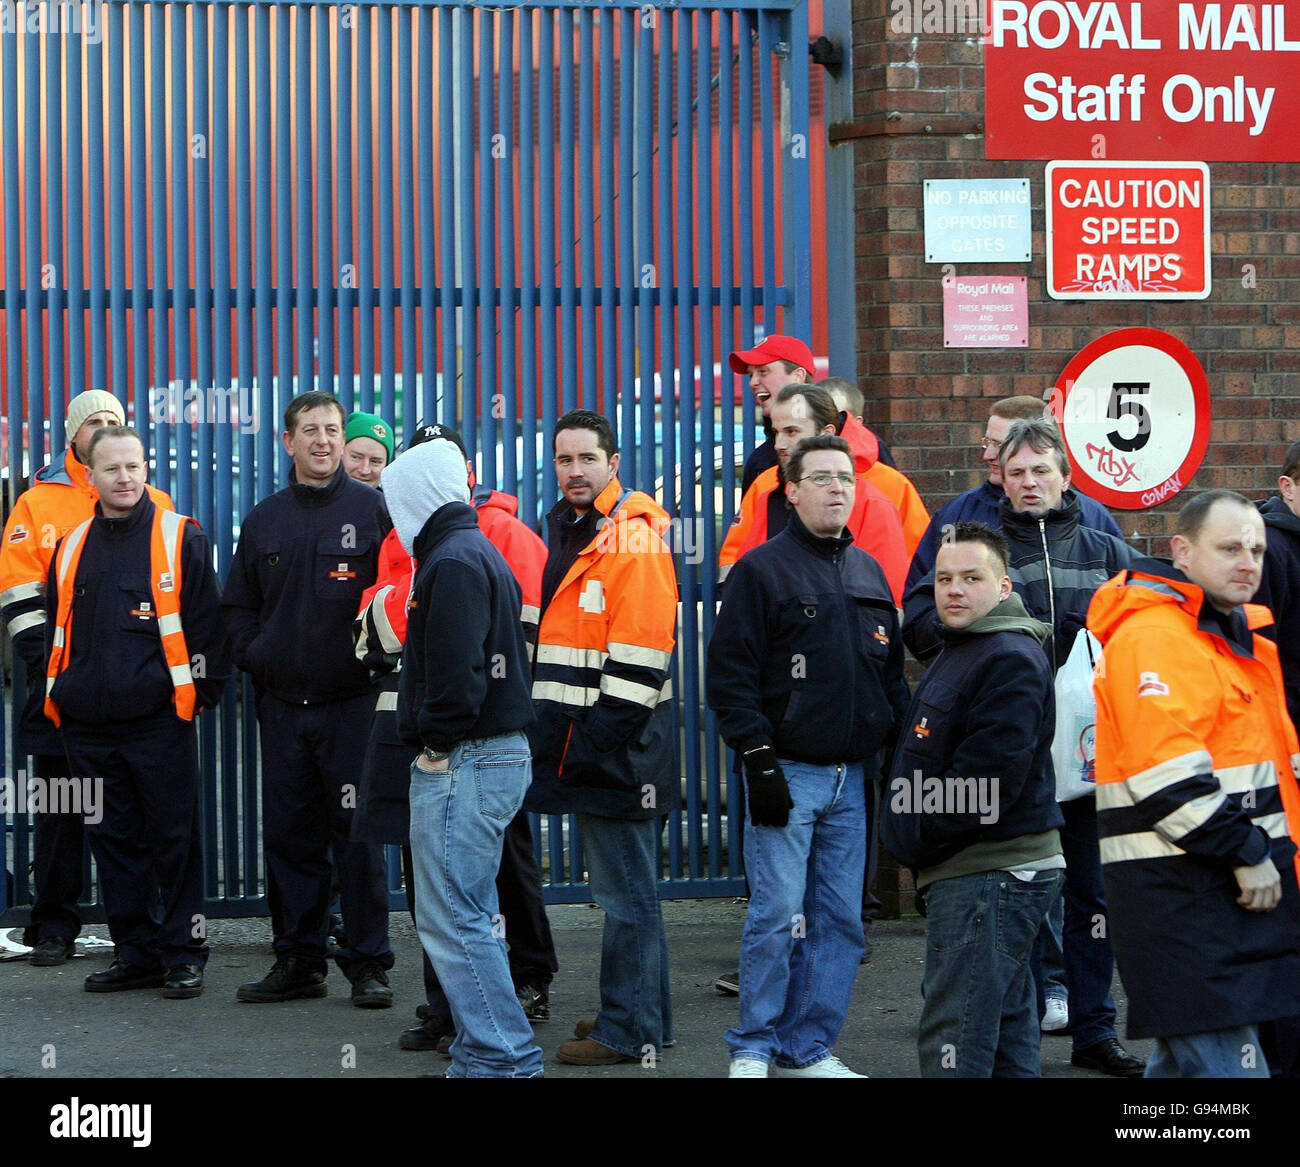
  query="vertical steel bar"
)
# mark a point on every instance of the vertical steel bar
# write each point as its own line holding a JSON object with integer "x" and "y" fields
{"x": 304, "y": 300}
{"x": 212, "y": 417}
{"x": 384, "y": 194}
{"x": 268, "y": 478}
{"x": 569, "y": 387}
{"x": 56, "y": 284}
{"x": 95, "y": 195}
{"x": 180, "y": 278}
{"x": 406, "y": 197}
{"x": 324, "y": 282}
{"x": 76, "y": 231}
{"x": 588, "y": 338}
{"x": 117, "y": 213}
{"x": 508, "y": 378}
{"x": 158, "y": 308}
{"x": 465, "y": 224}
{"x": 447, "y": 300}
{"x": 531, "y": 503}
{"x": 488, "y": 160}
{"x": 286, "y": 384}
{"x": 365, "y": 213}
{"x": 428, "y": 231}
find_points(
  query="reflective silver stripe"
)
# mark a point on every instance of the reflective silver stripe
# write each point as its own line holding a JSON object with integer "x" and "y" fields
{"x": 389, "y": 641}
{"x": 574, "y": 658}
{"x": 1295, "y": 766}
{"x": 172, "y": 525}
{"x": 23, "y": 591}
{"x": 25, "y": 621}
{"x": 1190, "y": 815}
{"x": 181, "y": 675}
{"x": 387, "y": 701}
{"x": 169, "y": 624}
{"x": 635, "y": 654}
{"x": 70, "y": 544}
{"x": 49, "y": 685}
{"x": 1151, "y": 781}
{"x": 58, "y": 636}
{"x": 629, "y": 690}
{"x": 530, "y": 649}
{"x": 1250, "y": 776}
{"x": 1273, "y": 825}
{"x": 1140, "y": 845}
{"x": 529, "y": 613}
{"x": 724, "y": 571}
{"x": 581, "y": 695}
{"x": 1150, "y": 845}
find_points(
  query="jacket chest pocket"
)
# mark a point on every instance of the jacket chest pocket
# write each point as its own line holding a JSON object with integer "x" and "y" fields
{"x": 136, "y": 610}
{"x": 926, "y": 735}
{"x": 342, "y": 572}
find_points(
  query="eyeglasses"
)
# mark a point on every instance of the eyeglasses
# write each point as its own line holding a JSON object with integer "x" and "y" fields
{"x": 989, "y": 443}
{"x": 825, "y": 478}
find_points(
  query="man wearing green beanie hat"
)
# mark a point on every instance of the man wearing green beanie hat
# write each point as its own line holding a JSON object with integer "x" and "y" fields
{"x": 367, "y": 448}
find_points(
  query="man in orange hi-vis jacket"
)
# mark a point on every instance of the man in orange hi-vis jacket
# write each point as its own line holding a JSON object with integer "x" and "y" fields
{"x": 137, "y": 648}
{"x": 1197, "y": 803}
{"x": 61, "y": 497}
{"x": 603, "y": 744}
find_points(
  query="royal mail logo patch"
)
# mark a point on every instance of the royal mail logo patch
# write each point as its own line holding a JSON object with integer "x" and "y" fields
{"x": 920, "y": 729}
{"x": 1150, "y": 685}
{"x": 144, "y": 611}
{"x": 880, "y": 634}
{"x": 343, "y": 572}
{"x": 166, "y": 583}
{"x": 19, "y": 534}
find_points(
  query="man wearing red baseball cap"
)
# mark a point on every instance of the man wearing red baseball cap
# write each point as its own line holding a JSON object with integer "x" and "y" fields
{"x": 778, "y": 361}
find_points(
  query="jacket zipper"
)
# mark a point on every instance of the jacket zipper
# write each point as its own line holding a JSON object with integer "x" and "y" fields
{"x": 1051, "y": 588}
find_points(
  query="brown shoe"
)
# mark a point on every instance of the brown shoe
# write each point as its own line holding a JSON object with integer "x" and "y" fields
{"x": 583, "y": 1029}
{"x": 589, "y": 1053}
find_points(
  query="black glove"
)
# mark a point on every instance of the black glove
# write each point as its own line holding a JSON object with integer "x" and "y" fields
{"x": 769, "y": 794}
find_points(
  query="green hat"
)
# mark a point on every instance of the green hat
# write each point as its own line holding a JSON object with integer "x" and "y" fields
{"x": 369, "y": 425}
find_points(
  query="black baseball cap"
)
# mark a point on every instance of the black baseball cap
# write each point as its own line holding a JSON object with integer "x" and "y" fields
{"x": 428, "y": 433}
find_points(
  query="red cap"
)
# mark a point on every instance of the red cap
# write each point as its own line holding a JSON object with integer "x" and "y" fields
{"x": 774, "y": 348}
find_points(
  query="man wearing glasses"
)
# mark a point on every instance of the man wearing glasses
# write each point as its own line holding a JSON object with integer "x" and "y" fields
{"x": 806, "y": 677}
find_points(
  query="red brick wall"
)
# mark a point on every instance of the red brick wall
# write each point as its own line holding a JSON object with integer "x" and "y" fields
{"x": 918, "y": 110}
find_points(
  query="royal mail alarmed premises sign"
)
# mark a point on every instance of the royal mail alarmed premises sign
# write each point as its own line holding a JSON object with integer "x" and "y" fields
{"x": 1162, "y": 79}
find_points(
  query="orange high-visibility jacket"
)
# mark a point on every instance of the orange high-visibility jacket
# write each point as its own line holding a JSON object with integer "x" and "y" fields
{"x": 603, "y": 740}
{"x": 892, "y": 483}
{"x": 165, "y": 584}
{"x": 1196, "y": 775}
{"x": 873, "y": 523}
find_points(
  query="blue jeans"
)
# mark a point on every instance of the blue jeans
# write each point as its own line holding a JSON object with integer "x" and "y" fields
{"x": 979, "y": 1018}
{"x": 458, "y": 820}
{"x": 1053, "y": 955}
{"x": 636, "y": 1010}
{"x": 1216, "y": 1053}
{"x": 803, "y": 934}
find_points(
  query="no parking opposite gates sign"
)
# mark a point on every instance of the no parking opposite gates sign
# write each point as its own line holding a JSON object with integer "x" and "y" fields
{"x": 1134, "y": 410}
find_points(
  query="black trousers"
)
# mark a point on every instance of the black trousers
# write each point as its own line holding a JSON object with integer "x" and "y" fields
{"x": 311, "y": 766}
{"x": 529, "y": 945}
{"x": 147, "y": 844}
{"x": 59, "y": 865}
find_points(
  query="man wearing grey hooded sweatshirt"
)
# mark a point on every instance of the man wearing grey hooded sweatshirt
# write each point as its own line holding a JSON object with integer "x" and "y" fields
{"x": 972, "y": 810}
{"x": 463, "y": 704}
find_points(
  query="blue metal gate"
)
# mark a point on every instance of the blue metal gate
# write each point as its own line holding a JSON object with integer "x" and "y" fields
{"x": 485, "y": 214}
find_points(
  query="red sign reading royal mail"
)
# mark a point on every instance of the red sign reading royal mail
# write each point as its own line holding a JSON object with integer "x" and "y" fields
{"x": 1141, "y": 79}
{"x": 1128, "y": 230}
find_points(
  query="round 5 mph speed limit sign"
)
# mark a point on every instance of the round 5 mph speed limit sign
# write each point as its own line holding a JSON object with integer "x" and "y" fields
{"x": 1134, "y": 410}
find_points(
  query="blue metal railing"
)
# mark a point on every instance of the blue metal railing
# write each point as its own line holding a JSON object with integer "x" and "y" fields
{"x": 485, "y": 215}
